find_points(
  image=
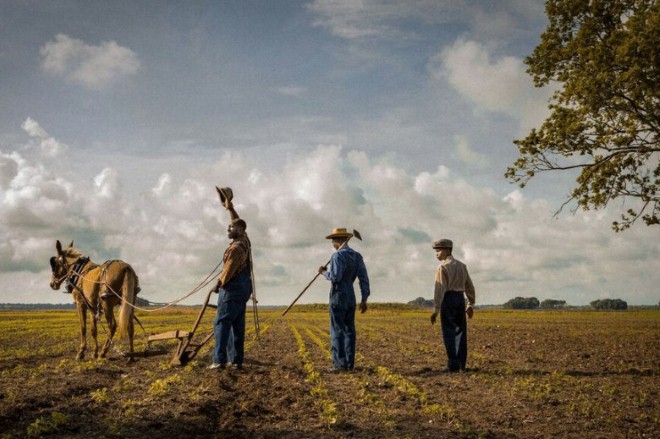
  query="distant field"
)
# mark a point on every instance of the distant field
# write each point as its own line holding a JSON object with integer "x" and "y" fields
{"x": 532, "y": 374}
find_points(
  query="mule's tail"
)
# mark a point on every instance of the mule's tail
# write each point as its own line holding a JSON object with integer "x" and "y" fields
{"x": 130, "y": 288}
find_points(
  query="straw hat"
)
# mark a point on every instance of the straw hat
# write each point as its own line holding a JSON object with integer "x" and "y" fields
{"x": 339, "y": 233}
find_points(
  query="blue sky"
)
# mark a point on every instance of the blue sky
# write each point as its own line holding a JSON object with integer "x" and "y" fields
{"x": 394, "y": 118}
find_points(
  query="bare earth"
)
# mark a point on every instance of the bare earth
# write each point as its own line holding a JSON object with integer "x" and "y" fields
{"x": 531, "y": 375}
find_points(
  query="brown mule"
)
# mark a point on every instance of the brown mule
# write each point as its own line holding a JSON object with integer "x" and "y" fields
{"x": 98, "y": 289}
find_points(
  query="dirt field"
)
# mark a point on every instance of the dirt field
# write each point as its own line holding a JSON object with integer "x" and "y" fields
{"x": 531, "y": 374}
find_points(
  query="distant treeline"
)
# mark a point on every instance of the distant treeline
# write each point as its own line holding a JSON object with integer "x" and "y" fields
{"x": 139, "y": 302}
{"x": 534, "y": 303}
{"x": 37, "y": 306}
{"x": 420, "y": 302}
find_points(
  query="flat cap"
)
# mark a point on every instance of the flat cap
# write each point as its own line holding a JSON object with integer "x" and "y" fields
{"x": 443, "y": 243}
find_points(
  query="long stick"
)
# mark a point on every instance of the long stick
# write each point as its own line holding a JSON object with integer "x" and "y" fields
{"x": 255, "y": 313}
{"x": 312, "y": 281}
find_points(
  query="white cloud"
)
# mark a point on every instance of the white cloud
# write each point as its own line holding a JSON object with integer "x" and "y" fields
{"x": 91, "y": 66}
{"x": 174, "y": 233}
{"x": 501, "y": 85}
{"x": 46, "y": 144}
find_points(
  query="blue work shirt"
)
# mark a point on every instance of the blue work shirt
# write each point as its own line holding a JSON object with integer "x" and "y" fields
{"x": 345, "y": 265}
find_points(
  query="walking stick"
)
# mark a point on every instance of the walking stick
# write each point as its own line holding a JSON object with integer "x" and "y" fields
{"x": 357, "y": 235}
{"x": 255, "y": 312}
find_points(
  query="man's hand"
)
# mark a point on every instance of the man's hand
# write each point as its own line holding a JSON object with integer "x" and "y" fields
{"x": 217, "y": 287}
{"x": 469, "y": 311}
{"x": 363, "y": 307}
{"x": 322, "y": 270}
{"x": 434, "y": 317}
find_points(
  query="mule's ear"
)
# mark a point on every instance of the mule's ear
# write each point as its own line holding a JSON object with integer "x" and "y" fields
{"x": 220, "y": 194}
{"x": 58, "y": 246}
{"x": 71, "y": 245}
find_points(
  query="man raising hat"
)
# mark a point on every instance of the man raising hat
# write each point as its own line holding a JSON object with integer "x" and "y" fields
{"x": 345, "y": 266}
{"x": 234, "y": 288}
{"x": 452, "y": 281}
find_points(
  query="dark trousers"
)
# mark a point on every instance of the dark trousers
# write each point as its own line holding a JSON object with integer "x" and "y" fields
{"x": 342, "y": 336}
{"x": 454, "y": 329}
{"x": 230, "y": 318}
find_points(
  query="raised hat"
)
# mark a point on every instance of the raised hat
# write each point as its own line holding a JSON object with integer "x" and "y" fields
{"x": 225, "y": 193}
{"x": 443, "y": 243}
{"x": 339, "y": 232}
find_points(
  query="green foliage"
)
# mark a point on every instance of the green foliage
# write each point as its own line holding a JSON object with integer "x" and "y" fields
{"x": 47, "y": 424}
{"x": 553, "y": 304}
{"x": 421, "y": 302}
{"x": 100, "y": 395}
{"x": 609, "y": 304}
{"x": 522, "y": 303}
{"x": 605, "y": 116}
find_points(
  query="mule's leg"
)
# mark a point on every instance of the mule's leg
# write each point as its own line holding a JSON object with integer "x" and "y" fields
{"x": 112, "y": 327}
{"x": 95, "y": 335}
{"x": 82, "y": 317}
{"x": 131, "y": 331}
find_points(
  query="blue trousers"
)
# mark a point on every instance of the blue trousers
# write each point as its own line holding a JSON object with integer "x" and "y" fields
{"x": 342, "y": 336}
{"x": 229, "y": 330}
{"x": 454, "y": 329}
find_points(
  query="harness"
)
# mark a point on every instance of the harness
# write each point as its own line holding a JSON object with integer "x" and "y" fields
{"x": 75, "y": 274}
{"x": 72, "y": 283}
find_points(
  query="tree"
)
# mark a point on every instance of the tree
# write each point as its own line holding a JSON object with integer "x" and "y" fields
{"x": 522, "y": 303}
{"x": 553, "y": 304}
{"x": 609, "y": 304}
{"x": 605, "y": 116}
{"x": 421, "y": 303}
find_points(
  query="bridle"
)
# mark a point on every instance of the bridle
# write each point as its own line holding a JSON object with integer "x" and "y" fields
{"x": 71, "y": 272}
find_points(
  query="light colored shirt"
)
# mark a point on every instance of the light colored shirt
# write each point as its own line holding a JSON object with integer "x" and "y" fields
{"x": 452, "y": 275}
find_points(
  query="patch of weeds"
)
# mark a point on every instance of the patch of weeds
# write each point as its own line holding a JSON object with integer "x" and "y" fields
{"x": 100, "y": 396}
{"x": 47, "y": 424}
{"x": 191, "y": 367}
{"x": 129, "y": 408}
{"x": 161, "y": 387}
{"x": 124, "y": 384}
{"x": 199, "y": 392}
{"x": 444, "y": 411}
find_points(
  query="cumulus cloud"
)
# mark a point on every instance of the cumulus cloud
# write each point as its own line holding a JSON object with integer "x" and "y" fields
{"x": 33, "y": 203}
{"x": 91, "y": 66}
{"x": 500, "y": 85}
{"x": 45, "y": 143}
{"x": 174, "y": 232}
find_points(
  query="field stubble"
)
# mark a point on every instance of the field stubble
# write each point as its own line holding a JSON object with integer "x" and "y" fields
{"x": 531, "y": 374}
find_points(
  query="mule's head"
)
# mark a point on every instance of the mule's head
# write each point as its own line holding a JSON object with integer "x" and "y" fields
{"x": 61, "y": 264}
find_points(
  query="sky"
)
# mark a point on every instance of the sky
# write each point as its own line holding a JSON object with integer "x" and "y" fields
{"x": 394, "y": 118}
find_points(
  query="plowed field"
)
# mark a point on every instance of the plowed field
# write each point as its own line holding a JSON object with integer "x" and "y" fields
{"x": 581, "y": 374}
